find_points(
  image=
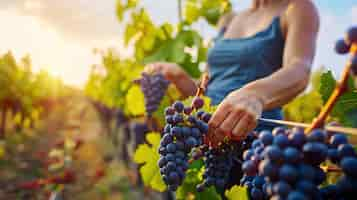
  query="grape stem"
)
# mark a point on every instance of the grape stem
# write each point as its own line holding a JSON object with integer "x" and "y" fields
{"x": 326, "y": 109}
{"x": 202, "y": 85}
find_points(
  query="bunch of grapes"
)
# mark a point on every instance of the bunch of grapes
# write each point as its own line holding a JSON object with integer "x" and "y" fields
{"x": 182, "y": 133}
{"x": 185, "y": 137}
{"x": 285, "y": 164}
{"x": 349, "y": 44}
{"x": 218, "y": 163}
{"x": 154, "y": 87}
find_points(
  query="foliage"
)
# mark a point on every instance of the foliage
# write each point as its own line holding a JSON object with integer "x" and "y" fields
{"x": 25, "y": 93}
{"x": 346, "y": 106}
{"x": 147, "y": 155}
{"x": 307, "y": 106}
{"x": 237, "y": 192}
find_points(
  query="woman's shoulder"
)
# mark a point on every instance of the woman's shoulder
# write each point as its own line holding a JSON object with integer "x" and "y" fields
{"x": 302, "y": 8}
{"x": 301, "y": 13}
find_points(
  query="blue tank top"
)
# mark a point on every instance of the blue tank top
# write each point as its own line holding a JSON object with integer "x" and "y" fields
{"x": 235, "y": 62}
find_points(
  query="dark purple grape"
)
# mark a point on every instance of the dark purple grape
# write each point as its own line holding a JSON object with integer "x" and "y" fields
{"x": 296, "y": 195}
{"x": 249, "y": 168}
{"x": 315, "y": 153}
{"x": 278, "y": 131}
{"x": 190, "y": 142}
{"x": 169, "y": 111}
{"x": 171, "y": 148}
{"x": 341, "y": 47}
{"x": 198, "y": 103}
{"x": 297, "y": 138}
{"x": 288, "y": 173}
{"x": 266, "y": 137}
{"x": 258, "y": 182}
{"x": 346, "y": 150}
{"x": 162, "y": 161}
{"x": 329, "y": 192}
{"x": 180, "y": 145}
{"x": 247, "y": 155}
{"x": 167, "y": 128}
{"x": 352, "y": 34}
{"x": 306, "y": 172}
{"x": 317, "y": 135}
{"x": 332, "y": 154}
{"x": 178, "y": 118}
{"x": 320, "y": 176}
{"x": 178, "y": 106}
{"x": 349, "y": 166}
{"x": 269, "y": 169}
{"x": 170, "y": 157}
{"x": 187, "y": 110}
{"x": 281, "y": 141}
{"x": 199, "y": 114}
{"x": 257, "y": 194}
{"x": 292, "y": 155}
{"x": 195, "y": 132}
{"x": 169, "y": 119}
{"x": 306, "y": 187}
{"x": 281, "y": 188}
{"x": 338, "y": 139}
{"x": 206, "y": 117}
{"x": 273, "y": 153}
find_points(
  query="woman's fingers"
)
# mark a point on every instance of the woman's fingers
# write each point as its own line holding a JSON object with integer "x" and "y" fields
{"x": 218, "y": 117}
{"x": 244, "y": 124}
{"x": 229, "y": 123}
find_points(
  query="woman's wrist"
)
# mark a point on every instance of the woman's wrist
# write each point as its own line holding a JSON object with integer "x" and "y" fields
{"x": 253, "y": 94}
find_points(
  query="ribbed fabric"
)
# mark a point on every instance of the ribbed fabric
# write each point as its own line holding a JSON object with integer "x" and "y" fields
{"x": 235, "y": 62}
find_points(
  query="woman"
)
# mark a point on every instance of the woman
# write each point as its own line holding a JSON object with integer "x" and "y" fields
{"x": 260, "y": 61}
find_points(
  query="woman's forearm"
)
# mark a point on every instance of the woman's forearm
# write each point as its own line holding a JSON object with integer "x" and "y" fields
{"x": 281, "y": 87}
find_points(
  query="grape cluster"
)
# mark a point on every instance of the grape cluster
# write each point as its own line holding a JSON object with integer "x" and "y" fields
{"x": 285, "y": 164}
{"x": 344, "y": 46}
{"x": 218, "y": 163}
{"x": 154, "y": 87}
{"x": 182, "y": 133}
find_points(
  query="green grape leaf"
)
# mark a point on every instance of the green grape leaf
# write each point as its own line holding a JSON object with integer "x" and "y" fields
{"x": 327, "y": 86}
{"x": 135, "y": 101}
{"x": 188, "y": 189}
{"x": 173, "y": 50}
{"x": 237, "y": 192}
{"x": 351, "y": 83}
{"x": 148, "y": 156}
{"x": 345, "y": 109}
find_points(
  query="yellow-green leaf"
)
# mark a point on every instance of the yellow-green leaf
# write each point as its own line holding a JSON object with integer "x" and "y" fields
{"x": 135, "y": 101}
{"x": 148, "y": 156}
{"x": 237, "y": 192}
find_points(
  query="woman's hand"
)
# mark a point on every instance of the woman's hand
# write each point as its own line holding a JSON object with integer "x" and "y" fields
{"x": 171, "y": 71}
{"x": 237, "y": 115}
{"x": 175, "y": 74}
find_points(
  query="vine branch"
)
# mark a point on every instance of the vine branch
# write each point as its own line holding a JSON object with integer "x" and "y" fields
{"x": 326, "y": 109}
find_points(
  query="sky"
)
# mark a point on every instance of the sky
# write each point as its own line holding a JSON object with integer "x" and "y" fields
{"x": 60, "y": 35}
